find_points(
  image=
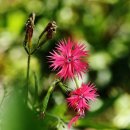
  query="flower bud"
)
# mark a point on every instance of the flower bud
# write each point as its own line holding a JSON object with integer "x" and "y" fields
{"x": 29, "y": 30}
{"x": 50, "y": 29}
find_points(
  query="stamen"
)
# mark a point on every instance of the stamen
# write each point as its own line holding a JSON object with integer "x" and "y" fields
{"x": 69, "y": 60}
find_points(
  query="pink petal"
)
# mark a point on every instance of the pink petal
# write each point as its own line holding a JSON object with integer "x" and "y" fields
{"x": 73, "y": 120}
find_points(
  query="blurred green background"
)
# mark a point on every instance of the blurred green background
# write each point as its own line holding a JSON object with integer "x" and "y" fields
{"x": 103, "y": 25}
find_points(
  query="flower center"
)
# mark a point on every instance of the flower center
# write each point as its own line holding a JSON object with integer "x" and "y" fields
{"x": 81, "y": 96}
{"x": 69, "y": 59}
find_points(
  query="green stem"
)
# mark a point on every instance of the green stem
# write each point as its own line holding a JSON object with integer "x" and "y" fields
{"x": 27, "y": 79}
{"x": 76, "y": 82}
{"x": 35, "y": 91}
{"x": 5, "y": 92}
{"x": 38, "y": 45}
{"x": 64, "y": 87}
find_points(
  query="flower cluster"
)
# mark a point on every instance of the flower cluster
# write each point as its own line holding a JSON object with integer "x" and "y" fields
{"x": 69, "y": 59}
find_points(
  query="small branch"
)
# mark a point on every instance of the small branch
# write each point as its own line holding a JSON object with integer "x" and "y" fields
{"x": 64, "y": 87}
{"x": 38, "y": 45}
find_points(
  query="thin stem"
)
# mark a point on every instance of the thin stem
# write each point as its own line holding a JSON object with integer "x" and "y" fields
{"x": 26, "y": 49}
{"x": 28, "y": 71}
{"x": 38, "y": 45}
{"x": 76, "y": 82}
{"x": 64, "y": 87}
{"x": 36, "y": 90}
{"x": 2, "y": 100}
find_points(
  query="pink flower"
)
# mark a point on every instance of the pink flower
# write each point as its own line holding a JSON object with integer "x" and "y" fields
{"x": 79, "y": 100}
{"x": 69, "y": 59}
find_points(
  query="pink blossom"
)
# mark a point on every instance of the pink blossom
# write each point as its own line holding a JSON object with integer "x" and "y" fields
{"x": 79, "y": 100}
{"x": 69, "y": 59}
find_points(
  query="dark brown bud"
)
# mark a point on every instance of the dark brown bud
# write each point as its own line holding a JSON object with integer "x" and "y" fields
{"x": 47, "y": 34}
{"x": 29, "y": 29}
{"x": 50, "y": 29}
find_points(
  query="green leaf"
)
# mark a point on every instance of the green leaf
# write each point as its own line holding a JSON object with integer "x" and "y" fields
{"x": 46, "y": 99}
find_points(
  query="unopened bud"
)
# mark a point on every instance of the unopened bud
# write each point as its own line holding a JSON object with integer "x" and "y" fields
{"x": 47, "y": 34}
{"x": 50, "y": 29}
{"x": 29, "y": 29}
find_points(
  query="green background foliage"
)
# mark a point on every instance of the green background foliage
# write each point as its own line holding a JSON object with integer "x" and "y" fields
{"x": 103, "y": 25}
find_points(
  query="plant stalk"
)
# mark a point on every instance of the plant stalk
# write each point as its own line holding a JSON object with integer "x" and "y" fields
{"x": 76, "y": 82}
{"x": 27, "y": 79}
